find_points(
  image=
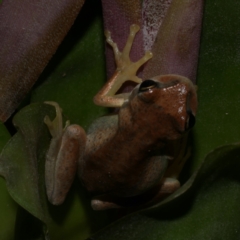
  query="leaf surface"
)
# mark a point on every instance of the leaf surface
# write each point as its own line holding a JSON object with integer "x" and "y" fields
{"x": 30, "y": 33}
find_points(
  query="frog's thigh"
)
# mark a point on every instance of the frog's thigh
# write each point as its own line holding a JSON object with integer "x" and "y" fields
{"x": 61, "y": 162}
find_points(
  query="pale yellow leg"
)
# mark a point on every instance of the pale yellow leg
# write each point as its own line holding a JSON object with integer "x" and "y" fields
{"x": 126, "y": 70}
{"x": 56, "y": 125}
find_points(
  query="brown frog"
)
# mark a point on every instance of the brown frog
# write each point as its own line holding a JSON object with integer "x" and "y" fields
{"x": 131, "y": 158}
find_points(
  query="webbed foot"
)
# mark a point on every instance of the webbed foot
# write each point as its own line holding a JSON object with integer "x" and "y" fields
{"x": 126, "y": 71}
{"x": 56, "y": 125}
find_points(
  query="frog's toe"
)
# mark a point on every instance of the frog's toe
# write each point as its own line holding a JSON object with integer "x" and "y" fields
{"x": 49, "y": 124}
{"x": 134, "y": 28}
{"x": 47, "y": 121}
{"x": 57, "y": 108}
{"x": 100, "y": 205}
{"x": 55, "y": 126}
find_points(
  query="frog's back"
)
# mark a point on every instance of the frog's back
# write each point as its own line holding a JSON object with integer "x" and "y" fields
{"x": 100, "y": 132}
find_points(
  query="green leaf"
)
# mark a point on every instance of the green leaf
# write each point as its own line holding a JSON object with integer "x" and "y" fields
{"x": 8, "y": 207}
{"x": 22, "y": 163}
{"x": 218, "y": 79}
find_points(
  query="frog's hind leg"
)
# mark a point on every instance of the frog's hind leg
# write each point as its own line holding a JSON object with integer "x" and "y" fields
{"x": 166, "y": 187}
{"x": 126, "y": 70}
{"x": 62, "y": 156}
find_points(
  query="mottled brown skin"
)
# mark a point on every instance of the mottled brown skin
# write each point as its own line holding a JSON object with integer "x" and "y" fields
{"x": 128, "y": 154}
{"x": 132, "y": 158}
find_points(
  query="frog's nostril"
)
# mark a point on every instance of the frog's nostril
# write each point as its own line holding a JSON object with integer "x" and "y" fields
{"x": 147, "y": 85}
{"x": 191, "y": 120}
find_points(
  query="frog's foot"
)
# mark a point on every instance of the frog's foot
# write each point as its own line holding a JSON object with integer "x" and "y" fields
{"x": 56, "y": 125}
{"x": 122, "y": 59}
{"x": 62, "y": 156}
{"x": 126, "y": 71}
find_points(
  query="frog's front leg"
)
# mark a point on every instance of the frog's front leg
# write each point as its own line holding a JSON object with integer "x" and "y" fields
{"x": 126, "y": 71}
{"x": 62, "y": 157}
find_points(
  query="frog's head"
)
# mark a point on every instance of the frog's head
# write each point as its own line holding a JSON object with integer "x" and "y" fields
{"x": 167, "y": 103}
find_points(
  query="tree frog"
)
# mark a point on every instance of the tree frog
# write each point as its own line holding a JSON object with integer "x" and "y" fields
{"x": 130, "y": 158}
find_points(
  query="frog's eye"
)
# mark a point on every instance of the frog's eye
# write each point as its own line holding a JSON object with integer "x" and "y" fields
{"x": 147, "y": 85}
{"x": 191, "y": 120}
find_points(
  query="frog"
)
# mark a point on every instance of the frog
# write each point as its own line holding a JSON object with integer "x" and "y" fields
{"x": 134, "y": 156}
